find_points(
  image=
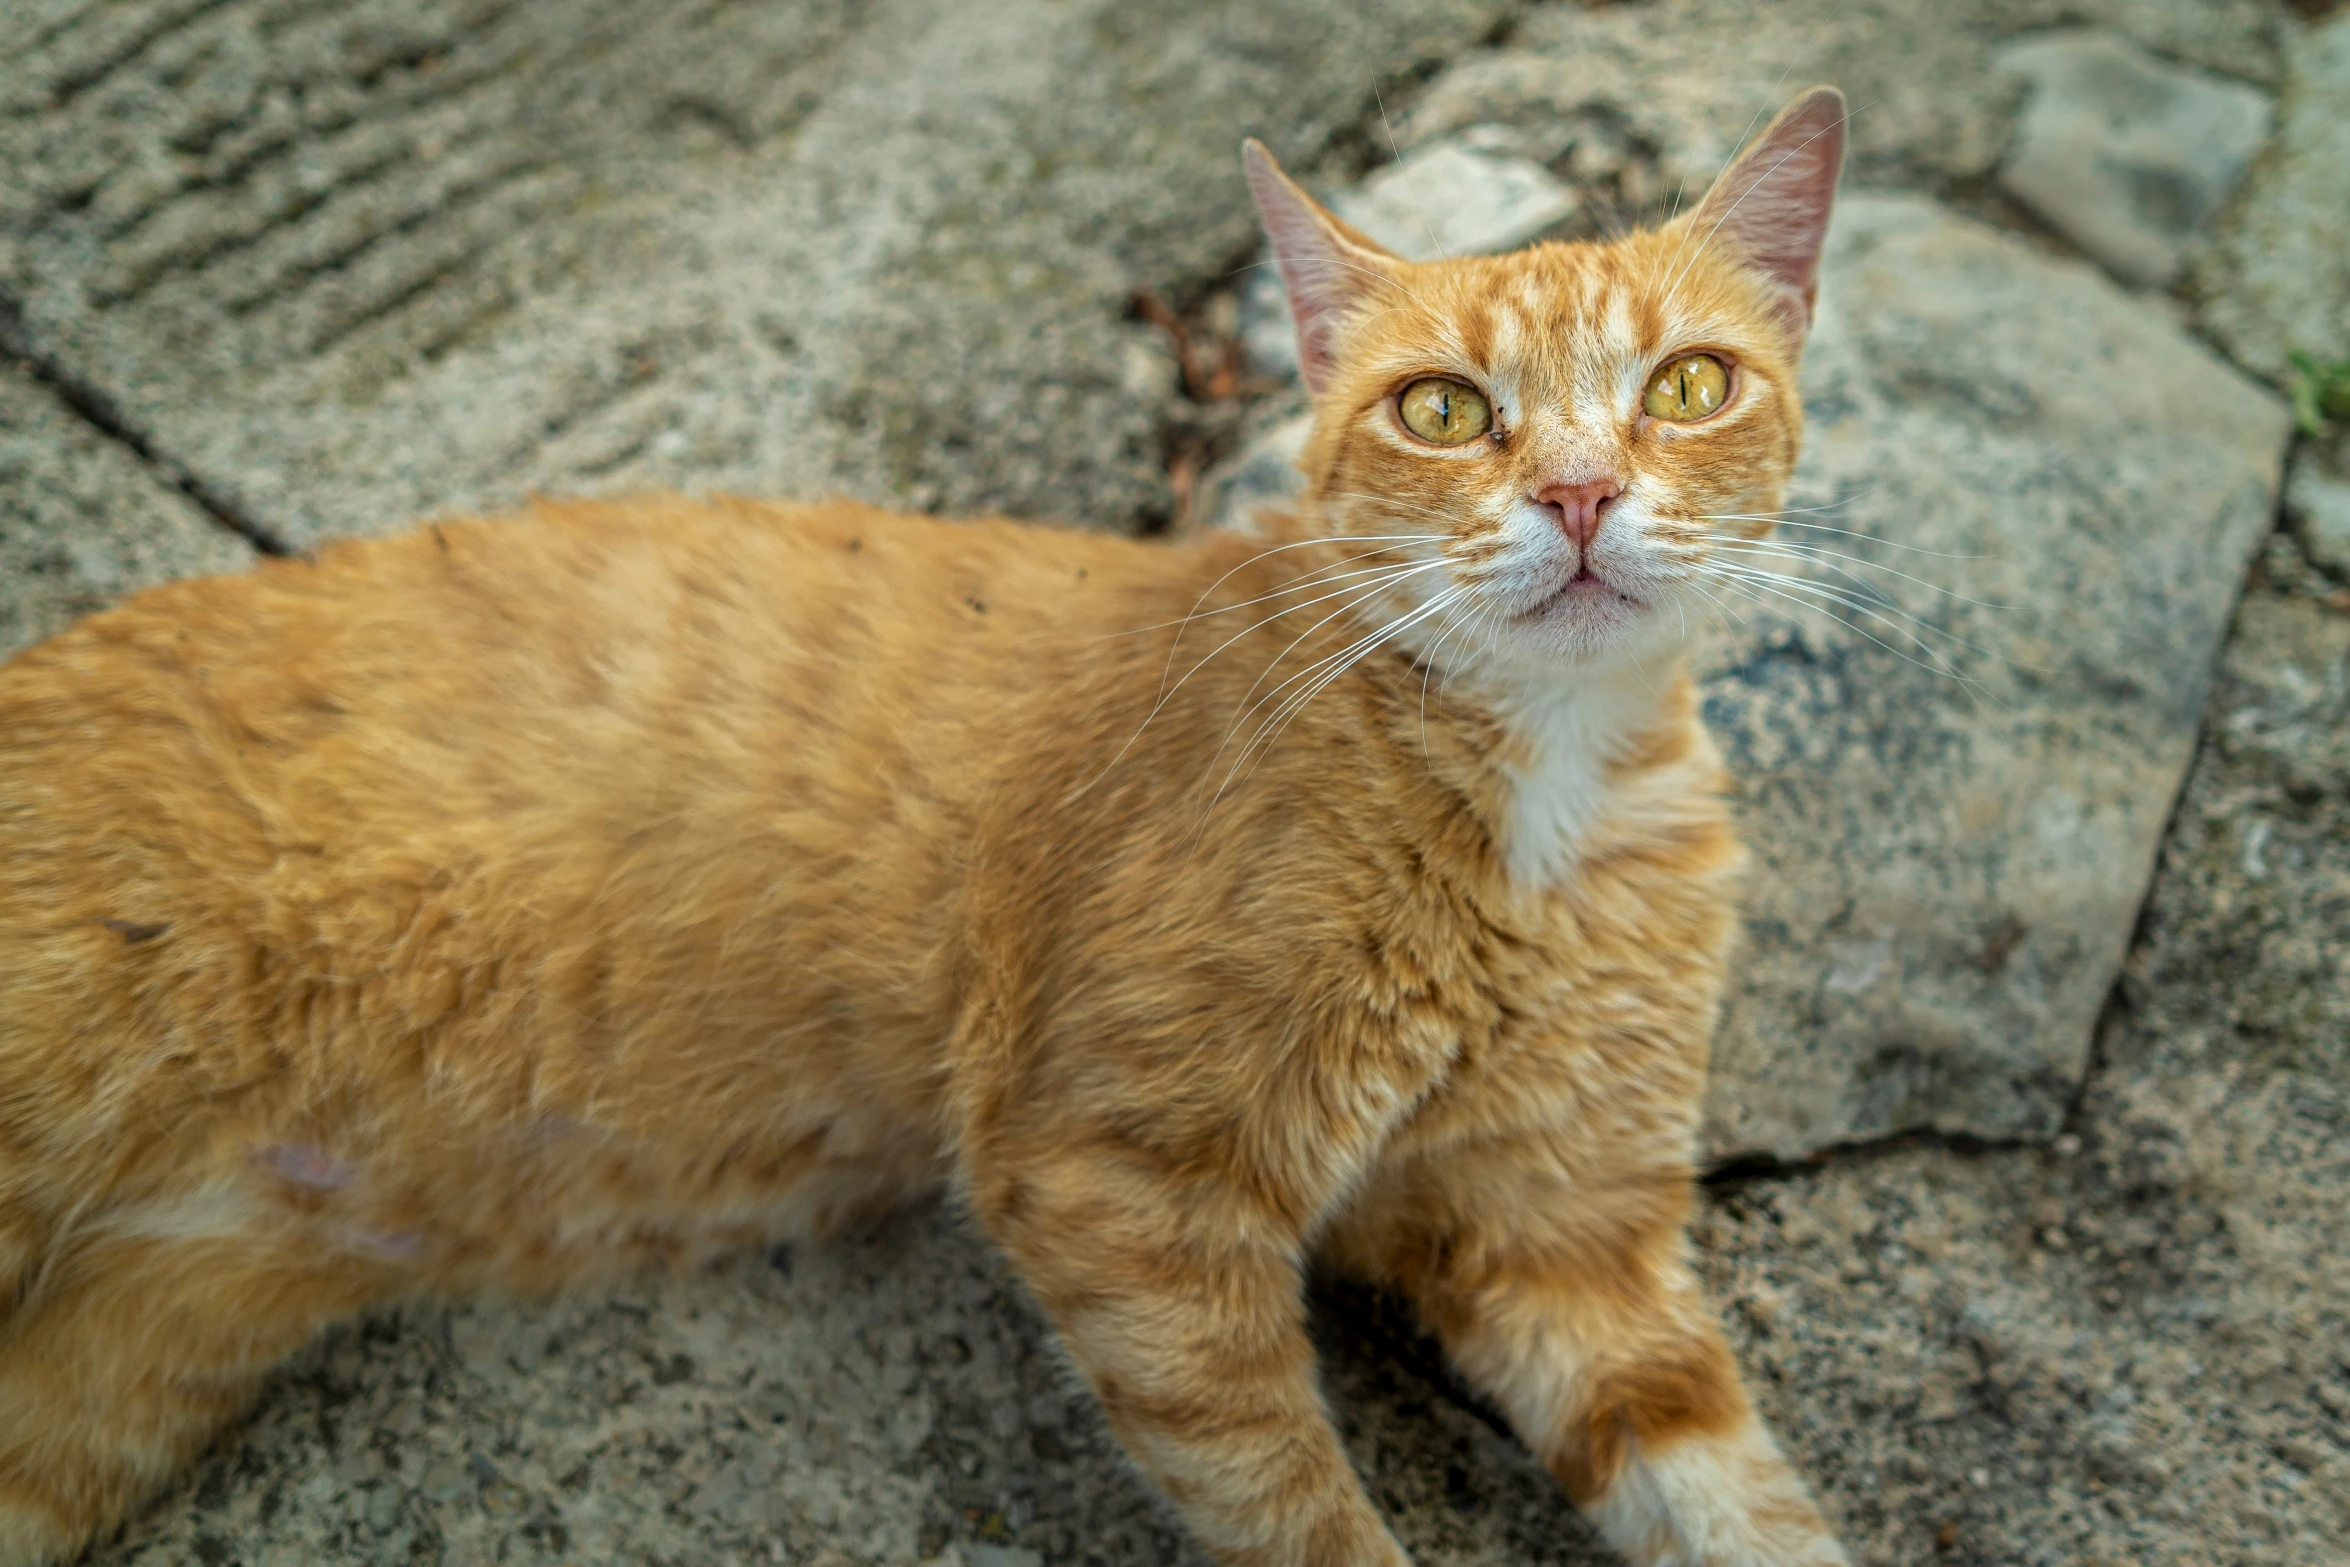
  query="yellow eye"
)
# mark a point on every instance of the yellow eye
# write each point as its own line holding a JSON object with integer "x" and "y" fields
{"x": 1688, "y": 389}
{"x": 1445, "y": 412}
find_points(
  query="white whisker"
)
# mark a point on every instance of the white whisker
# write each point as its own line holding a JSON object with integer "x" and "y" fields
{"x": 1754, "y": 585}
{"x": 1873, "y": 604}
{"x": 1715, "y": 602}
{"x": 1361, "y": 592}
{"x": 1821, "y": 527}
{"x": 1336, "y": 538}
{"x": 1450, "y": 625}
{"x": 1785, "y": 550}
{"x": 1268, "y": 733}
{"x": 1391, "y": 501}
{"x": 1320, "y": 577}
{"x": 1249, "y": 706}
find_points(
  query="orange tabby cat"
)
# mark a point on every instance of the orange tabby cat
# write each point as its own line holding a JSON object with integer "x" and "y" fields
{"x": 505, "y": 903}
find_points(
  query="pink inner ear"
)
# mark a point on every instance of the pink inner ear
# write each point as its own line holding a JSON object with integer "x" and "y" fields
{"x": 1773, "y": 203}
{"x": 1325, "y": 272}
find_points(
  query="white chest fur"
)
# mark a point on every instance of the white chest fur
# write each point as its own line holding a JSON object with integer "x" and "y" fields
{"x": 1567, "y": 735}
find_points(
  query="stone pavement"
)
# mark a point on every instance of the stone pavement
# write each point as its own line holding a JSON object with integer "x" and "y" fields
{"x": 2058, "y": 1072}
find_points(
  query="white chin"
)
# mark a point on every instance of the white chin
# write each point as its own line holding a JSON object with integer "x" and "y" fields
{"x": 1588, "y": 620}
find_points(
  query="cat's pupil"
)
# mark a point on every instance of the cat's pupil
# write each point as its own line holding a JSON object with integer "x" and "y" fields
{"x": 1444, "y": 412}
{"x": 1689, "y": 388}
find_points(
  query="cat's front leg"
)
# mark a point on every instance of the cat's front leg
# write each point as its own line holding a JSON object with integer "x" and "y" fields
{"x": 1181, "y": 1300}
{"x": 1567, "y": 1298}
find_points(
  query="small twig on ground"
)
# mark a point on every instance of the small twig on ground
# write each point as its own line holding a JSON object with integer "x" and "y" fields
{"x": 1212, "y": 370}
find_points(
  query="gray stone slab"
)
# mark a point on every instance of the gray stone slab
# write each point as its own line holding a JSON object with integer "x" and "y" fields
{"x": 354, "y": 262}
{"x": 2039, "y": 498}
{"x": 2125, "y": 1350}
{"x": 2126, "y": 156}
{"x": 1949, "y": 864}
{"x": 2279, "y": 277}
{"x": 83, "y": 521}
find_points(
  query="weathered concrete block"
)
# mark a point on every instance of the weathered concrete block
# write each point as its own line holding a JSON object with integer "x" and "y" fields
{"x": 2128, "y": 157}
{"x": 82, "y": 521}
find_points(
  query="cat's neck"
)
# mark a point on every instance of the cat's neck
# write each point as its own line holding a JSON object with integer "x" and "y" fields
{"x": 1575, "y": 739}
{"x": 1562, "y": 766}
{"x": 1571, "y": 737}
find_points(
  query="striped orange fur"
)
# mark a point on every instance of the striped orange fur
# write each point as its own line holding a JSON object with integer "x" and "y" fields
{"x": 515, "y": 901}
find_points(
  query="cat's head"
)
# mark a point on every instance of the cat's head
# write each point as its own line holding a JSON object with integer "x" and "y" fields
{"x": 1574, "y": 431}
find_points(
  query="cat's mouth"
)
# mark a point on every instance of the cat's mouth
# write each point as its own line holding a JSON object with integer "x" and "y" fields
{"x": 1585, "y": 588}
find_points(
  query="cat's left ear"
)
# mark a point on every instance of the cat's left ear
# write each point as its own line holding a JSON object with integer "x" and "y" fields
{"x": 1772, "y": 204}
{"x": 1329, "y": 268}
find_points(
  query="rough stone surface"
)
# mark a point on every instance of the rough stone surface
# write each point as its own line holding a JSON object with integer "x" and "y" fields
{"x": 82, "y": 521}
{"x": 1263, "y": 471}
{"x": 2127, "y": 157}
{"x": 358, "y": 262}
{"x": 2317, "y": 501}
{"x": 1457, "y": 198}
{"x": 2279, "y": 277}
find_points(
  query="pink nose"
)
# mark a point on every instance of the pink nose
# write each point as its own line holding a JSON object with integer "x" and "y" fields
{"x": 1579, "y": 506}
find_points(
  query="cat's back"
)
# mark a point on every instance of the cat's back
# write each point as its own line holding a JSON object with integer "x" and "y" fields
{"x": 477, "y": 670}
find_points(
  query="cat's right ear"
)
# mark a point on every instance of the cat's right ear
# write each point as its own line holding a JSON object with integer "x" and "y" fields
{"x": 1772, "y": 203}
{"x": 1329, "y": 268}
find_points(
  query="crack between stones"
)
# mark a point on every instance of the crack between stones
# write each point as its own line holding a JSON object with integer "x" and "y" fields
{"x": 1755, "y": 1169}
{"x": 98, "y": 409}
